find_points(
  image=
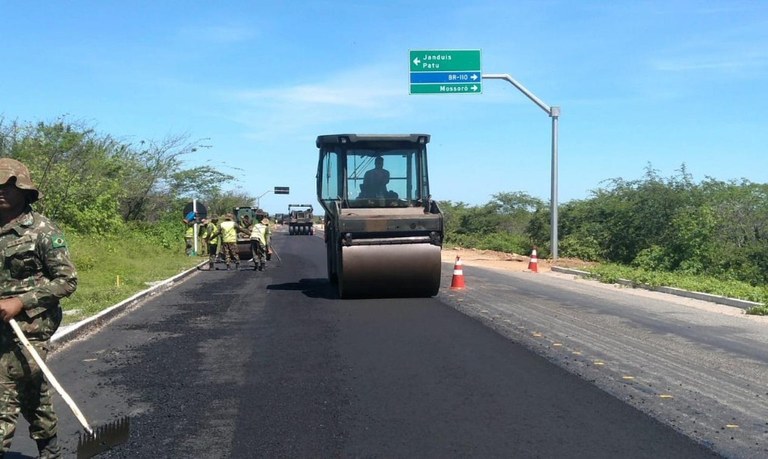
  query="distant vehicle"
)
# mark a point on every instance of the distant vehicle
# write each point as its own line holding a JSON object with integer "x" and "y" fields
{"x": 382, "y": 239}
{"x": 244, "y": 240}
{"x": 300, "y": 219}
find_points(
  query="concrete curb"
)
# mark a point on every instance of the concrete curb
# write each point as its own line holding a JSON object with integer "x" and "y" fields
{"x": 742, "y": 304}
{"x": 71, "y": 332}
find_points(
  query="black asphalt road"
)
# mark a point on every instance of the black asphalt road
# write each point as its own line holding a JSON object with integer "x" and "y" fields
{"x": 269, "y": 364}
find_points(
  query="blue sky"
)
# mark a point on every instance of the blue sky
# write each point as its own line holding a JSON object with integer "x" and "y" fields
{"x": 637, "y": 82}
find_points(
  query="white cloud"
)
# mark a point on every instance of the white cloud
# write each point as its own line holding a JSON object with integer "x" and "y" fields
{"x": 352, "y": 95}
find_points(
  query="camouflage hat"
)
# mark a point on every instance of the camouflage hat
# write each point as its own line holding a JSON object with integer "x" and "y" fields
{"x": 12, "y": 168}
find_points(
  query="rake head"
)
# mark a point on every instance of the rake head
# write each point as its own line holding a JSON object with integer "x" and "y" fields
{"x": 103, "y": 438}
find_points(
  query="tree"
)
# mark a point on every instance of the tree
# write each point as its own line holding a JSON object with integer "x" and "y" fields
{"x": 95, "y": 183}
{"x": 73, "y": 169}
{"x": 219, "y": 203}
{"x": 516, "y": 210}
{"x": 198, "y": 181}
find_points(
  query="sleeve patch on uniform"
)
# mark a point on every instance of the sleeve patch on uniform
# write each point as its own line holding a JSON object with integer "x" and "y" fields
{"x": 57, "y": 241}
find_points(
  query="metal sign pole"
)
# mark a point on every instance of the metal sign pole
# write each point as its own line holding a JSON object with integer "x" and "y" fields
{"x": 194, "y": 235}
{"x": 258, "y": 199}
{"x": 554, "y": 113}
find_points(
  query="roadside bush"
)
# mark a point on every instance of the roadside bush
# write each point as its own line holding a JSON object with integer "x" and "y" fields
{"x": 612, "y": 273}
{"x": 585, "y": 248}
{"x": 462, "y": 240}
{"x": 506, "y": 242}
{"x": 167, "y": 234}
{"x": 654, "y": 258}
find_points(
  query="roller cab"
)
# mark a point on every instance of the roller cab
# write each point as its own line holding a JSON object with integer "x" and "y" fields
{"x": 383, "y": 233}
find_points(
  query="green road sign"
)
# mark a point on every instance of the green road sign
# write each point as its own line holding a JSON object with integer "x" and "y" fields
{"x": 441, "y": 88}
{"x": 445, "y": 60}
{"x": 447, "y": 71}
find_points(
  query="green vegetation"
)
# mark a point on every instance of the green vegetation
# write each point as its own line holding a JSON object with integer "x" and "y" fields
{"x": 611, "y": 273}
{"x": 502, "y": 224}
{"x": 111, "y": 269}
{"x": 709, "y": 237}
{"x": 120, "y": 204}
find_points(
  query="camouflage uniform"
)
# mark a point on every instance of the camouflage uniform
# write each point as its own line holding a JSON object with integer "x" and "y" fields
{"x": 260, "y": 236}
{"x": 202, "y": 237}
{"x": 212, "y": 238}
{"x": 189, "y": 239}
{"x": 228, "y": 230}
{"x": 37, "y": 270}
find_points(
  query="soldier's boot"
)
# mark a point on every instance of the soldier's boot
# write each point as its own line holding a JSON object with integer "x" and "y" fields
{"x": 210, "y": 266}
{"x": 237, "y": 266}
{"x": 228, "y": 267}
{"x": 49, "y": 448}
{"x": 261, "y": 266}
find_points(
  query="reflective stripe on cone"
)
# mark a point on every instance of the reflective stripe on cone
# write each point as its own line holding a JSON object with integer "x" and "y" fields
{"x": 533, "y": 265}
{"x": 457, "y": 283}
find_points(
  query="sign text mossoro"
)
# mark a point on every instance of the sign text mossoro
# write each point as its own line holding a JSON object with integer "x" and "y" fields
{"x": 445, "y": 71}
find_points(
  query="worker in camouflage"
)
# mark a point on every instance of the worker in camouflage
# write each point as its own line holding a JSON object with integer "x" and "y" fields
{"x": 189, "y": 238}
{"x": 228, "y": 230}
{"x": 260, "y": 236}
{"x": 212, "y": 240}
{"x": 202, "y": 235}
{"x": 36, "y": 272}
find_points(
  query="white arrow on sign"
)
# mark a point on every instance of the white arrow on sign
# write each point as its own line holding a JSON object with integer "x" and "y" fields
{"x": 474, "y": 87}
{"x": 416, "y": 61}
{"x": 474, "y": 76}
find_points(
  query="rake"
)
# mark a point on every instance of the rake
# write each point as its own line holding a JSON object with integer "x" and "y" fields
{"x": 275, "y": 252}
{"x": 94, "y": 441}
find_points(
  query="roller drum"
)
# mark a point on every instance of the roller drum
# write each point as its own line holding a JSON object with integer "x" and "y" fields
{"x": 396, "y": 270}
{"x": 244, "y": 250}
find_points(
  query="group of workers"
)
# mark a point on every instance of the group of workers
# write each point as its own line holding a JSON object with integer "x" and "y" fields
{"x": 219, "y": 240}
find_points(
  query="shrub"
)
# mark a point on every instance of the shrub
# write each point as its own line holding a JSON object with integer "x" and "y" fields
{"x": 505, "y": 242}
{"x": 581, "y": 247}
{"x": 654, "y": 258}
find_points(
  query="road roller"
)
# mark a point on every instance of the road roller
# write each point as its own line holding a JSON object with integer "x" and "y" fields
{"x": 383, "y": 232}
{"x": 244, "y": 239}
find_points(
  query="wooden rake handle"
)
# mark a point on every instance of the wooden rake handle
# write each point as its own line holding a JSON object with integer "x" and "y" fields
{"x": 51, "y": 379}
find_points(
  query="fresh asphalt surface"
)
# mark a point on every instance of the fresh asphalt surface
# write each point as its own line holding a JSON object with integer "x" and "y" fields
{"x": 270, "y": 364}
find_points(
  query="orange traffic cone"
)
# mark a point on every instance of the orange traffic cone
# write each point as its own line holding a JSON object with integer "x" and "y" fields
{"x": 457, "y": 283}
{"x": 533, "y": 265}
